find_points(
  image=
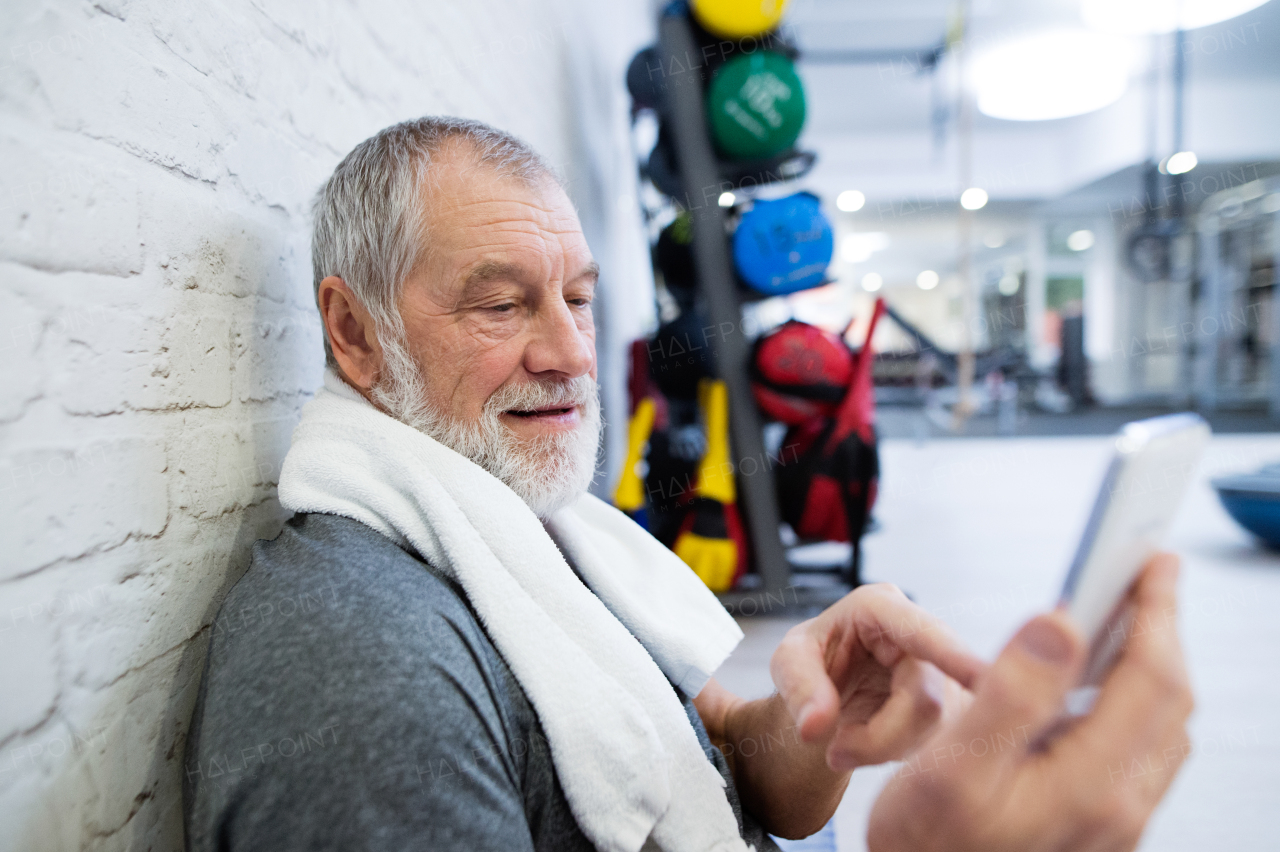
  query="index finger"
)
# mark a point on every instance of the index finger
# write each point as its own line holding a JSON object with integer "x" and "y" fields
{"x": 890, "y": 625}
{"x": 876, "y": 621}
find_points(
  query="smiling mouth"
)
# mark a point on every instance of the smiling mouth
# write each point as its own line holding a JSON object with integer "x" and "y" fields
{"x": 543, "y": 412}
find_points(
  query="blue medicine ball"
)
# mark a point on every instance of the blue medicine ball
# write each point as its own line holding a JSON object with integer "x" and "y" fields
{"x": 784, "y": 245}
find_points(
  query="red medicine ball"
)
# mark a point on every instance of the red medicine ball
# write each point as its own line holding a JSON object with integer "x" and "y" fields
{"x": 799, "y": 371}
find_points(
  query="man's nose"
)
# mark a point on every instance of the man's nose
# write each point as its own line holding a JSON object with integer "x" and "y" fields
{"x": 560, "y": 343}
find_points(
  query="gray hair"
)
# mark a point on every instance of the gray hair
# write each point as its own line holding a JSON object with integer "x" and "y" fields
{"x": 370, "y": 215}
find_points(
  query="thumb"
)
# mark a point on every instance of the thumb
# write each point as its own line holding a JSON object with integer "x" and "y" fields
{"x": 1016, "y": 699}
{"x": 799, "y": 670}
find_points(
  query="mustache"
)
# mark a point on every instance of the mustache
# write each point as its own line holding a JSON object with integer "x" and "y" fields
{"x": 526, "y": 396}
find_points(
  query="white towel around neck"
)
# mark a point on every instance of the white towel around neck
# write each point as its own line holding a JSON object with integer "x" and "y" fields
{"x": 594, "y": 666}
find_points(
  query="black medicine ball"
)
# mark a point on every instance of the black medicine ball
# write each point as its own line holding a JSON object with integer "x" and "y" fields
{"x": 680, "y": 355}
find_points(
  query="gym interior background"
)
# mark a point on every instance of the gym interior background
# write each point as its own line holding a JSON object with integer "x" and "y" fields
{"x": 1069, "y": 209}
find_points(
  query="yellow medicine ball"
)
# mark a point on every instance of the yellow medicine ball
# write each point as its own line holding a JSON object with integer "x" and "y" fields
{"x": 738, "y": 18}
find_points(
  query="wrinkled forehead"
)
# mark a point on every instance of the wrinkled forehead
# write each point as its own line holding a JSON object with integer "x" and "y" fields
{"x": 473, "y": 212}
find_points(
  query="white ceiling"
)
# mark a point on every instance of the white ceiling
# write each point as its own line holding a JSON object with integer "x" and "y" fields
{"x": 871, "y": 123}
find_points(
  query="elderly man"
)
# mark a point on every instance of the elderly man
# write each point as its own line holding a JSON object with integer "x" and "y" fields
{"x": 452, "y": 646}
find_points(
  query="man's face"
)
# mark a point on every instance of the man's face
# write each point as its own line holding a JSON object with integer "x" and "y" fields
{"x": 504, "y": 298}
{"x": 498, "y": 358}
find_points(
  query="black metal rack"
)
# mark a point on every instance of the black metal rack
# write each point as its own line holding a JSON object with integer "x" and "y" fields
{"x": 704, "y": 178}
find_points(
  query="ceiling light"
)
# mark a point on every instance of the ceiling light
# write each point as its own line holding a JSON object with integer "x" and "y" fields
{"x": 1052, "y": 75}
{"x": 727, "y": 199}
{"x": 857, "y": 247}
{"x": 872, "y": 282}
{"x": 927, "y": 280}
{"x": 973, "y": 198}
{"x": 995, "y": 239}
{"x": 1138, "y": 17}
{"x": 1080, "y": 240}
{"x": 1179, "y": 163}
{"x": 850, "y": 201}
{"x": 1008, "y": 284}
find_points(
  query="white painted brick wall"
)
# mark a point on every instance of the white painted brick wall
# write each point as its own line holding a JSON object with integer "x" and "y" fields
{"x": 158, "y": 335}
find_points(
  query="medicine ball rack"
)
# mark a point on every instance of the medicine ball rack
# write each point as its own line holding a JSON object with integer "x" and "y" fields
{"x": 703, "y": 178}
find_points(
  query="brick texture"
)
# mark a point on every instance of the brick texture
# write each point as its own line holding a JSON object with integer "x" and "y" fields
{"x": 157, "y": 162}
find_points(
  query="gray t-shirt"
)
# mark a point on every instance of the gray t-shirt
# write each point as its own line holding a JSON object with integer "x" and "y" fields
{"x": 351, "y": 700}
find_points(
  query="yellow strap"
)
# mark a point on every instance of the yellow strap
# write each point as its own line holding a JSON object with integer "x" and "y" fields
{"x": 629, "y": 495}
{"x": 714, "y": 560}
{"x": 715, "y": 472}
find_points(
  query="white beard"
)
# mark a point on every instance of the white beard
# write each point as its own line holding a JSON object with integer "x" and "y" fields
{"x": 548, "y": 472}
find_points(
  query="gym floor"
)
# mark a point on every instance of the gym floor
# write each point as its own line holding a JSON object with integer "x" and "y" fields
{"x": 894, "y": 421}
{"x": 1002, "y": 517}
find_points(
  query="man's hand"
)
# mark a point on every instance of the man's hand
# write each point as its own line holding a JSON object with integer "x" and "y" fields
{"x": 869, "y": 676}
{"x": 985, "y": 782}
{"x": 861, "y": 683}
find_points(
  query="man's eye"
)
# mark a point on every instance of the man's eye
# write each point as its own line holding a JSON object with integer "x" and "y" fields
{"x": 506, "y": 307}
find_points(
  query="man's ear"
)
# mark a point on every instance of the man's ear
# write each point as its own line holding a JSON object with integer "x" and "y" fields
{"x": 351, "y": 332}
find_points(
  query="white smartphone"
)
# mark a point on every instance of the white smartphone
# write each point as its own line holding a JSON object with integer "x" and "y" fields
{"x": 1153, "y": 464}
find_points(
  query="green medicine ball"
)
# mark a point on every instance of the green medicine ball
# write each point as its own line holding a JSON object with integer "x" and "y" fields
{"x": 755, "y": 105}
